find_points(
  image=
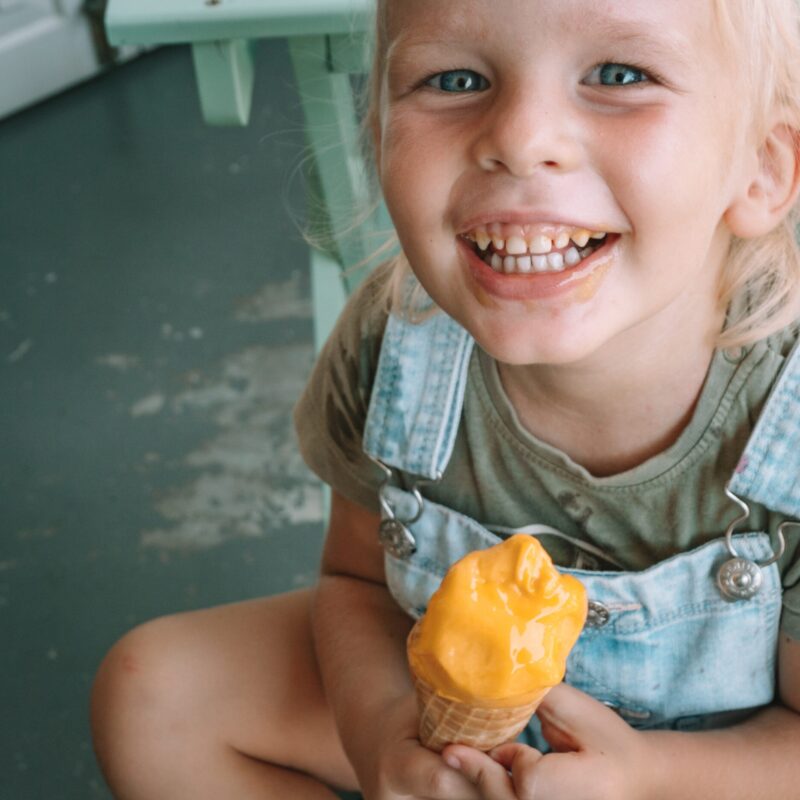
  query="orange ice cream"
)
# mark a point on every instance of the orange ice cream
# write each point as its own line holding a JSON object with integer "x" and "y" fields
{"x": 498, "y": 631}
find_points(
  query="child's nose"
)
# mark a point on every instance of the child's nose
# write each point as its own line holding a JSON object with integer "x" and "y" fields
{"x": 526, "y": 131}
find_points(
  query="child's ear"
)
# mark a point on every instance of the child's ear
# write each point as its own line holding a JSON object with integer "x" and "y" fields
{"x": 773, "y": 187}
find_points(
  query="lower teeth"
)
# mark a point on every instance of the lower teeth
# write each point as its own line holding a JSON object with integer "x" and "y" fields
{"x": 498, "y": 263}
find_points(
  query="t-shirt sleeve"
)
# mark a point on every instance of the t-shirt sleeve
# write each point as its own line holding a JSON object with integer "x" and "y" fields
{"x": 790, "y": 619}
{"x": 783, "y": 343}
{"x": 332, "y": 410}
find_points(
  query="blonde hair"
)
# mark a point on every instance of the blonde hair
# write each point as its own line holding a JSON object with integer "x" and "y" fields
{"x": 761, "y": 276}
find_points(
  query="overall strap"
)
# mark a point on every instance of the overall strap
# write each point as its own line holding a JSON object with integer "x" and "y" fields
{"x": 418, "y": 394}
{"x": 769, "y": 470}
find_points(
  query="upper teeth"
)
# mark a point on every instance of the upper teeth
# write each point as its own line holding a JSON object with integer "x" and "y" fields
{"x": 522, "y": 242}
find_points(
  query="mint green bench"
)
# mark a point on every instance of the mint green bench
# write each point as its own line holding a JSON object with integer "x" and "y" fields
{"x": 327, "y": 44}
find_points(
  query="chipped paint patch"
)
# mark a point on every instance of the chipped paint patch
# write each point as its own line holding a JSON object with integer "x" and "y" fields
{"x": 249, "y": 479}
{"x": 287, "y": 300}
{"x": 121, "y": 362}
{"x": 214, "y": 509}
{"x": 305, "y": 579}
{"x": 152, "y": 404}
{"x": 171, "y": 334}
{"x": 20, "y": 351}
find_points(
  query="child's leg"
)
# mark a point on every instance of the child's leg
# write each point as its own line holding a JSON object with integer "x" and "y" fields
{"x": 223, "y": 703}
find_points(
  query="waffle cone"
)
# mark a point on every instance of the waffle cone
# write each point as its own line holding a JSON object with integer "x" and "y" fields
{"x": 444, "y": 721}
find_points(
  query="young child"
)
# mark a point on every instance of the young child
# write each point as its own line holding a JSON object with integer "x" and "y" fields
{"x": 591, "y": 341}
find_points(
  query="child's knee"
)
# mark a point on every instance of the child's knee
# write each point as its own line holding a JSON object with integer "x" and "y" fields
{"x": 145, "y": 676}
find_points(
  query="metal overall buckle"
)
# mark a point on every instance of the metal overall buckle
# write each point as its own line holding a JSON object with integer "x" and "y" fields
{"x": 741, "y": 578}
{"x": 393, "y": 532}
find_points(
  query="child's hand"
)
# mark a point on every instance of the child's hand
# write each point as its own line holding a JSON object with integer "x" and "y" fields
{"x": 400, "y": 767}
{"x": 596, "y": 756}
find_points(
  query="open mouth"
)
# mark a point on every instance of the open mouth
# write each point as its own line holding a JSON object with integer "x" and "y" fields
{"x": 523, "y": 250}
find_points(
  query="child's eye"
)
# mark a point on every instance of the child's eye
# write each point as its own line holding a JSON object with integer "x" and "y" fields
{"x": 616, "y": 75}
{"x": 458, "y": 81}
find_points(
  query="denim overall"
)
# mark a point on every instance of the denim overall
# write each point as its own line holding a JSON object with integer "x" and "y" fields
{"x": 687, "y": 644}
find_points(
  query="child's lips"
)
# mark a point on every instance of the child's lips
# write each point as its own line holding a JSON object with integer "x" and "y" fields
{"x": 537, "y": 285}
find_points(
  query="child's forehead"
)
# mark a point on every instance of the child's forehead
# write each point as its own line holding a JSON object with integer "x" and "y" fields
{"x": 470, "y": 19}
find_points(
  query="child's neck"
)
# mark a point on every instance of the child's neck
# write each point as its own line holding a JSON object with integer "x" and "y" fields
{"x": 617, "y": 409}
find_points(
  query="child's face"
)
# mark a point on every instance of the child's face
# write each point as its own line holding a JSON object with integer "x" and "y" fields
{"x": 541, "y": 119}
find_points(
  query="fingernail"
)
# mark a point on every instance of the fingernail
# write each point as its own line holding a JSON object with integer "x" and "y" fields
{"x": 453, "y": 762}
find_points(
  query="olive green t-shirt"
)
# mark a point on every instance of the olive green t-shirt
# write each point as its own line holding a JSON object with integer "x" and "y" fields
{"x": 500, "y": 474}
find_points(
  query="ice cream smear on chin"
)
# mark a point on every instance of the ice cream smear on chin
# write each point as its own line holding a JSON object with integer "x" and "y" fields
{"x": 499, "y": 629}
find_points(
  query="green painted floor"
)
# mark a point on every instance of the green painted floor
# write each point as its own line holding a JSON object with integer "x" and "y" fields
{"x": 155, "y": 331}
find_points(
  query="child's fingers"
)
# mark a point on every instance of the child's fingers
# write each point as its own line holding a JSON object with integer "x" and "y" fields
{"x": 490, "y": 777}
{"x": 421, "y": 773}
{"x": 537, "y": 777}
{"x": 506, "y": 753}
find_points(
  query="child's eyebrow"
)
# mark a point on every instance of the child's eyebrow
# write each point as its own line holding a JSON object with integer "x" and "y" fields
{"x": 663, "y": 44}
{"x": 406, "y": 43}
{"x": 610, "y": 32}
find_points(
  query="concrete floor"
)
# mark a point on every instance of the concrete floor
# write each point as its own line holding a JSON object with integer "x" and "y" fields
{"x": 155, "y": 331}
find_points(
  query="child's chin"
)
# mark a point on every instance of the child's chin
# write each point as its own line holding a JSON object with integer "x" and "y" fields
{"x": 518, "y": 347}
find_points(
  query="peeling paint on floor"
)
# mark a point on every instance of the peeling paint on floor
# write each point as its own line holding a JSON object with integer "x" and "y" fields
{"x": 250, "y": 479}
{"x": 20, "y": 352}
{"x": 122, "y": 362}
{"x": 170, "y": 333}
{"x": 152, "y": 404}
{"x": 276, "y": 301}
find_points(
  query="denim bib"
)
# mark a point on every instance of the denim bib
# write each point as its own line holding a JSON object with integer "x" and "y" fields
{"x": 667, "y": 647}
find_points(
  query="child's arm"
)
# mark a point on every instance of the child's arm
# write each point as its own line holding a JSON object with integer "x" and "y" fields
{"x": 360, "y": 635}
{"x": 603, "y": 758}
{"x": 758, "y": 758}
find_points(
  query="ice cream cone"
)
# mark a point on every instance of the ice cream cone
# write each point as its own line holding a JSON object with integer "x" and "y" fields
{"x": 444, "y": 721}
{"x": 493, "y": 641}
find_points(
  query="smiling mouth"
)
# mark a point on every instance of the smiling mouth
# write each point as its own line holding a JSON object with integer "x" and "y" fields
{"x": 524, "y": 250}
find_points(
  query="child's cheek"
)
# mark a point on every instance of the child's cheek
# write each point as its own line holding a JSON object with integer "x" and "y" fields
{"x": 659, "y": 178}
{"x": 406, "y": 142}
{"x": 413, "y": 172}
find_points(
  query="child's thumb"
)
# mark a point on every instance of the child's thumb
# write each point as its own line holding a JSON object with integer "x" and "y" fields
{"x": 573, "y": 720}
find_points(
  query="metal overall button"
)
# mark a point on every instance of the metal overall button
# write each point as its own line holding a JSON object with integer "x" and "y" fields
{"x": 598, "y": 615}
{"x": 396, "y": 539}
{"x": 741, "y": 578}
{"x": 393, "y": 532}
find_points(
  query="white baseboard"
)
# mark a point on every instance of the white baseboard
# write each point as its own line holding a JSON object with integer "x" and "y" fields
{"x": 43, "y": 52}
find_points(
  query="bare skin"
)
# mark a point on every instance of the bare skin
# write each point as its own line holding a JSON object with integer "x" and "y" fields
{"x": 229, "y": 702}
{"x": 202, "y": 705}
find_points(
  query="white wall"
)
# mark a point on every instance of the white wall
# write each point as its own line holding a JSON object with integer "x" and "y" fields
{"x": 45, "y": 46}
